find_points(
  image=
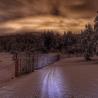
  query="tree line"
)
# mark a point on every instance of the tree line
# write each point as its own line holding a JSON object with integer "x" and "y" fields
{"x": 40, "y": 42}
{"x": 84, "y": 43}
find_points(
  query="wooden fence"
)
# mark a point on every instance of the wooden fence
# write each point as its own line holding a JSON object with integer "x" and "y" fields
{"x": 24, "y": 63}
{"x": 27, "y": 62}
{"x": 42, "y": 60}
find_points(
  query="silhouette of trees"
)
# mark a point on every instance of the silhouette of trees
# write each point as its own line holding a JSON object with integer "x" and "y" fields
{"x": 19, "y": 42}
{"x": 51, "y": 41}
{"x": 96, "y": 33}
{"x": 39, "y": 41}
{"x": 87, "y": 39}
{"x": 70, "y": 42}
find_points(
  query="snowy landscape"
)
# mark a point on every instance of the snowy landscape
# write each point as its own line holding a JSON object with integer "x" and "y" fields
{"x": 48, "y": 49}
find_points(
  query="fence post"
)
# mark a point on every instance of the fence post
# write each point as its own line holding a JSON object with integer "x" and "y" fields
{"x": 16, "y": 64}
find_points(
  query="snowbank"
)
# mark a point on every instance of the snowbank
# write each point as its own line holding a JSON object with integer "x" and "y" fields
{"x": 7, "y": 68}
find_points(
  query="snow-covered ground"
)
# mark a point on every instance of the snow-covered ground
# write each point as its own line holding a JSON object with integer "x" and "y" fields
{"x": 68, "y": 78}
{"x": 7, "y": 64}
{"x": 7, "y": 67}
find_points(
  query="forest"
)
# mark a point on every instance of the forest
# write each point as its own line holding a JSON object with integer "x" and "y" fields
{"x": 84, "y": 43}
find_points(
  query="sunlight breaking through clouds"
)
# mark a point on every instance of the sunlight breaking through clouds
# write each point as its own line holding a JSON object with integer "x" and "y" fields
{"x": 45, "y": 23}
{"x": 57, "y": 15}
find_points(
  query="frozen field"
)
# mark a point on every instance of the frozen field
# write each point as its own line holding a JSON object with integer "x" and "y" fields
{"x": 7, "y": 68}
{"x": 68, "y": 78}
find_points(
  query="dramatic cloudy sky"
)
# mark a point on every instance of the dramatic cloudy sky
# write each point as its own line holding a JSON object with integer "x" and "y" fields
{"x": 58, "y": 15}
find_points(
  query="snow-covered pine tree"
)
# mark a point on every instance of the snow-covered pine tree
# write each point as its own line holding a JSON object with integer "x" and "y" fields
{"x": 96, "y": 32}
{"x": 87, "y": 40}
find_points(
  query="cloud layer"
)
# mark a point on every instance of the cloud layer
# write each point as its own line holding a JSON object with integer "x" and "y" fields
{"x": 14, "y": 10}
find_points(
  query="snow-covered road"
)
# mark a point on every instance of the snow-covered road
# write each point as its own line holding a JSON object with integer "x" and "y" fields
{"x": 68, "y": 78}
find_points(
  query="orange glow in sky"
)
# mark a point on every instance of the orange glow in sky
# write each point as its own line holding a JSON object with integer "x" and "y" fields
{"x": 38, "y": 23}
{"x": 56, "y": 15}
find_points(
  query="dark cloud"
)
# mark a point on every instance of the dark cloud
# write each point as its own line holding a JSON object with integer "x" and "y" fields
{"x": 23, "y": 8}
{"x": 85, "y": 9}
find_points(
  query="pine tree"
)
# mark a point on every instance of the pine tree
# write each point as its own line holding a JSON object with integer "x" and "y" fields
{"x": 88, "y": 42}
{"x": 96, "y": 31}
